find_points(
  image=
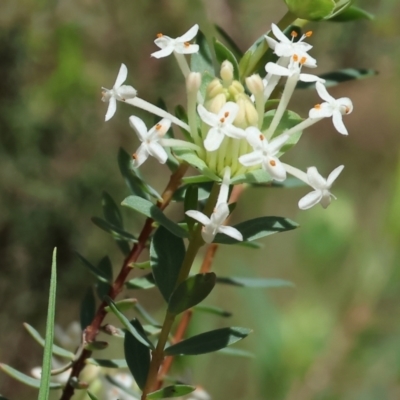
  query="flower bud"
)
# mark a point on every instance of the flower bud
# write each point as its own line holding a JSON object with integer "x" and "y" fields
{"x": 215, "y": 104}
{"x": 255, "y": 84}
{"x": 235, "y": 89}
{"x": 247, "y": 115}
{"x": 226, "y": 72}
{"x": 193, "y": 82}
{"x": 214, "y": 88}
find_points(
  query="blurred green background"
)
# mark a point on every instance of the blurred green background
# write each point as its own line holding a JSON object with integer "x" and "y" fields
{"x": 336, "y": 335}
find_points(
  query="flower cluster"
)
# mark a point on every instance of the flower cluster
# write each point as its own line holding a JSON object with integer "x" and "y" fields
{"x": 232, "y": 130}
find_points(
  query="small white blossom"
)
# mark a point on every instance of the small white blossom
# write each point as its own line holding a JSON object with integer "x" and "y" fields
{"x": 321, "y": 193}
{"x": 151, "y": 140}
{"x": 118, "y": 92}
{"x": 288, "y": 47}
{"x": 221, "y": 125}
{"x": 332, "y": 107}
{"x": 214, "y": 224}
{"x": 179, "y": 45}
{"x": 265, "y": 153}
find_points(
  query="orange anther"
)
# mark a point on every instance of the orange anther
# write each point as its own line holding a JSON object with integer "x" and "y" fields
{"x": 222, "y": 120}
{"x": 226, "y": 114}
{"x": 262, "y": 137}
{"x": 158, "y": 127}
{"x": 303, "y": 60}
{"x": 293, "y": 34}
{"x": 272, "y": 163}
{"x": 347, "y": 109}
{"x": 186, "y": 44}
{"x": 317, "y": 106}
{"x": 295, "y": 57}
{"x": 308, "y": 34}
{"x": 159, "y": 35}
{"x": 134, "y": 156}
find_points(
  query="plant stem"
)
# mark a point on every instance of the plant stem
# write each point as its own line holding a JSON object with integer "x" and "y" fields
{"x": 92, "y": 330}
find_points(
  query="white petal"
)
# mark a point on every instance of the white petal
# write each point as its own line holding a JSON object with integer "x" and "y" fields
{"x": 220, "y": 214}
{"x": 181, "y": 48}
{"x": 208, "y": 234}
{"x": 279, "y": 34}
{"x": 157, "y": 151}
{"x": 345, "y": 104}
{"x": 276, "y": 69}
{"x": 208, "y": 117}
{"x": 323, "y": 93}
{"x": 36, "y": 372}
{"x": 315, "y": 179}
{"x": 309, "y": 78}
{"x": 163, "y": 53}
{"x": 253, "y": 136}
{"x": 112, "y": 107}
{"x": 214, "y": 139}
{"x": 198, "y": 216}
{"x": 271, "y": 42}
{"x": 189, "y": 35}
{"x": 165, "y": 41}
{"x": 254, "y": 158}
{"x": 231, "y": 231}
{"x": 122, "y": 74}
{"x": 277, "y": 142}
{"x": 277, "y": 171}
{"x": 140, "y": 156}
{"x": 326, "y": 199}
{"x": 323, "y": 110}
{"x": 334, "y": 174}
{"x": 228, "y": 112}
{"x": 337, "y": 120}
{"x": 310, "y": 200}
{"x": 234, "y": 132}
{"x": 139, "y": 127}
{"x": 126, "y": 92}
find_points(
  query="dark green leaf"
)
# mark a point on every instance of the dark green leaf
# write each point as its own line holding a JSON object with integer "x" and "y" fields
{"x": 208, "y": 342}
{"x": 123, "y": 305}
{"x": 105, "y": 267}
{"x": 202, "y": 60}
{"x": 257, "y": 228}
{"x": 204, "y": 190}
{"x": 251, "y": 245}
{"x": 137, "y": 356}
{"x": 142, "y": 311}
{"x": 151, "y": 211}
{"x": 190, "y": 292}
{"x": 88, "y": 309}
{"x": 343, "y": 75}
{"x": 111, "y": 212}
{"x": 143, "y": 282}
{"x": 312, "y": 10}
{"x": 231, "y": 351}
{"x": 351, "y": 13}
{"x": 258, "y": 176}
{"x": 133, "y": 326}
{"x": 196, "y": 179}
{"x": 255, "y": 282}
{"x": 99, "y": 274}
{"x": 58, "y": 351}
{"x": 190, "y": 203}
{"x": 92, "y": 396}
{"x": 223, "y": 53}
{"x": 117, "y": 233}
{"x": 232, "y": 44}
{"x": 171, "y": 391}
{"x": 107, "y": 363}
{"x": 167, "y": 252}
{"x": 48, "y": 345}
{"x": 181, "y": 114}
{"x": 213, "y": 310}
{"x": 27, "y": 380}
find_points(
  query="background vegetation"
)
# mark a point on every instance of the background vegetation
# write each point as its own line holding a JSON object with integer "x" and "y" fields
{"x": 336, "y": 335}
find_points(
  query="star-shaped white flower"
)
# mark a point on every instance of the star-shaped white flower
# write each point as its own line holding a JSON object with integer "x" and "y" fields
{"x": 221, "y": 125}
{"x": 293, "y": 69}
{"x": 179, "y": 45}
{"x": 151, "y": 140}
{"x": 118, "y": 92}
{"x": 265, "y": 153}
{"x": 214, "y": 224}
{"x": 321, "y": 193}
{"x": 287, "y": 48}
{"x": 332, "y": 107}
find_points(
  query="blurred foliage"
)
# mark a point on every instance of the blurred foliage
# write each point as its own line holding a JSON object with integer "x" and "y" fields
{"x": 335, "y": 336}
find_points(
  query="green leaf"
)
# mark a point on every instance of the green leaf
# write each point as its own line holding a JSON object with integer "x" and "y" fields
{"x": 107, "y": 363}
{"x": 204, "y": 190}
{"x": 49, "y": 337}
{"x": 88, "y": 309}
{"x": 106, "y": 269}
{"x": 123, "y": 305}
{"x": 196, "y": 179}
{"x": 133, "y": 327}
{"x": 222, "y": 53}
{"x": 58, "y": 351}
{"x": 258, "y": 176}
{"x": 96, "y": 345}
{"x": 181, "y": 114}
{"x": 117, "y": 233}
{"x": 202, "y": 60}
{"x": 208, "y": 342}
{"x": 257, "y": 228}
{"x": 232, "y": 44}
{"x": 312, "y": 10}
{"x": 27, "y": 380}
{"x": 151, "y": 211}
{"x": 97, "y": 272}
{"x": 190, "y": 292}
{"x": 92, "y": 396}
{"x": 171, "y": 391}
{"x": 143, "y": 282}
{"x": 342, "y": 75}
{"x": 190, "y": 203}
{"x": 137, "y": 357}
{"x": 111, "y": 212}
{"x": 254, "y": 282}
{"x": 213, "y": 310}
{"x": 231, "y": 351}
{"x": 142, "y": 311}
{"x": 351, "y": 13}
{"x": 251, "y": 245}
{"x": 167, "y": 253}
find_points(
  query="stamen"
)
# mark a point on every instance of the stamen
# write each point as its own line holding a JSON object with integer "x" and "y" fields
{"x": 272, "y": 163}
{"x": 295, "y": 57}
{"x": 317, "y": 106}
{"x": 303, "y": 60}
{"x": 186, "y": 44}
{"x": 262, "y": 137}
{"x": 293, "y": 34}
{"x": 346, "y": 109}
{"x": 158, "y": 127}
{"x": 308, "y": 34}
{"x": 159, "y": 35}
{"x": 226, "y": 114}
{"x": 134, "y": 156}
{"x": 222, "y": 120}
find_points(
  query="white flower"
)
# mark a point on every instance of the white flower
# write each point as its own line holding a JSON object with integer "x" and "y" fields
{"x": 221, "y": 125}
{"x": 332, "y": 107}
{"x": 118, "y": 92}
{"x": 287, "y": 48}
{"x": 61, "y": 378}
{"x": 265, "y": 153}
{"x": 321, "y": 193}
{"x": 151, "y": 140}
{"x": 214, "y": 224}
{"x": 179, "y": 45}
{"x": 294, "y": 68}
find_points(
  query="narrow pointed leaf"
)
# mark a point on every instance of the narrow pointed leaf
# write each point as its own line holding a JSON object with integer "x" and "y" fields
{"x": 137, "y": 356}
{"x": 142, "y": 311}
{"x": 231, "y": 351}
{"x": 143, "y": 282}
{"x": 88, "y": 309}
{"x": 99, "y": 274}
{"x": 351, "y": 13}
{"x": 27, "y": 380}
{"x": 232, "y": 44}
{"x": 204, "y": 189}
{"x": 113, "y": 229}
{"x": 58, "y": 351}
{"x": 171, "y": 391}
{"x": 213, "y": 310}
{"x": 208, "y": 342}
{"x": 107, "y": 363}
{"x": 48, "y": 344}
{"x": 223, "y": 53}
{"x": 91, "y": 396}
{"x": 123, "y": 305}
{"x": 254, "y": 282}
{"x": 133, "y": 327}
{"x": 257, "y": 228}
{"x": 111, "y": 211}
{"x": 167, "y": 253}
{"x": 106, "y": 269}
{"x": 148, "y": 209}
{"x": 190, "y": 292}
